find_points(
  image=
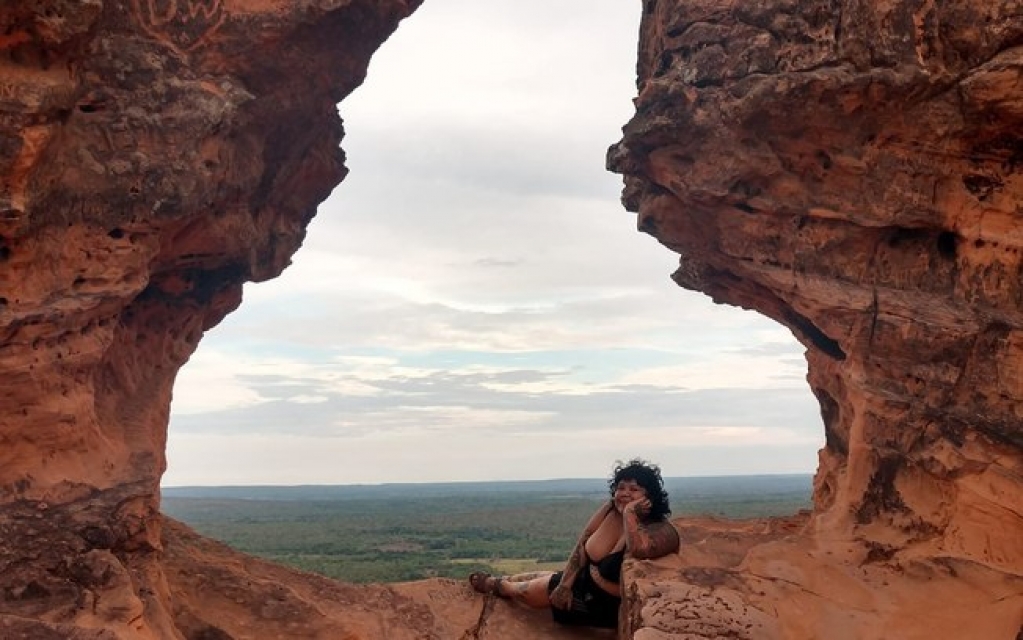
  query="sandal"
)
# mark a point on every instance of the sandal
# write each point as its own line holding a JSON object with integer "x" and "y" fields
{"x": 483, "y": 582}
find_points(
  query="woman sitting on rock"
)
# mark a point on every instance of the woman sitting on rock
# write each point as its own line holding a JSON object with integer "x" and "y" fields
{"x": 588, "y": 591}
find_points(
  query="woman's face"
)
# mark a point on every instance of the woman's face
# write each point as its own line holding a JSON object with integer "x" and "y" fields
{"x": 627, "y": 491}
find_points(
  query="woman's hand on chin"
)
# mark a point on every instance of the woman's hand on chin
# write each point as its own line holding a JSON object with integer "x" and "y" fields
{"x": 640, "y": 507}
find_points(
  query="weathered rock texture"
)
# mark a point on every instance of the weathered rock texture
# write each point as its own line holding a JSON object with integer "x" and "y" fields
{"x": 221, "y": 594}
{"x": 854, "y": 170}
{"x": 848, "y": 168}
{"x": 154, "y": 155}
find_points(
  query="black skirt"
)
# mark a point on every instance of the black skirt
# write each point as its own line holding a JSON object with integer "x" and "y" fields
{"x": 591, "y": 605}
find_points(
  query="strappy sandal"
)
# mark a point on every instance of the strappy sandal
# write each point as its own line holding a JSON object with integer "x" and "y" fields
{"x": 483, "y": 582}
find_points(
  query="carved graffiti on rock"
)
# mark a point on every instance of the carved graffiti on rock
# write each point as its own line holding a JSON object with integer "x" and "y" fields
{"x": 181, "y": 24}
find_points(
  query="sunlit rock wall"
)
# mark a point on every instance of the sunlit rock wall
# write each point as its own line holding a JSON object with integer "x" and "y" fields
{"x": 154, "y": 155}
{"x": 852, "y": 169}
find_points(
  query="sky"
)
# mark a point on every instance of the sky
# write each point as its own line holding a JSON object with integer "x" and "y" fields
{"x": 474, "y": 303}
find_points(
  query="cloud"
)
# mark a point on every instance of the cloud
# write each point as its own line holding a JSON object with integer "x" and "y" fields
{"x": 421, "y": 456}
{"x": 334, "y": 400}
{"x": 473, "y": 302}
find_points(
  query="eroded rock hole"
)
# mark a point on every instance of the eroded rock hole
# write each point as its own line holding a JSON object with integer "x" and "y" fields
{"x": 814, "y": 334}
{"x": 947, "y": 244}
{"x": 980, "y": 186}
{"x": 881, "y": 495}
{"x": 900, "y": 236}
{"x": 647, "y": 222}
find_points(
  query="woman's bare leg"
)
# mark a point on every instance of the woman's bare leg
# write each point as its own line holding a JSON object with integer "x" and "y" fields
{"x": 529, "y": 575}
{"x": 532, "y": 593}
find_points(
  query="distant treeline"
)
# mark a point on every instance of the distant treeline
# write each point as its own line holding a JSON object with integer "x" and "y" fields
{"x": 402, "y": 532}
{"x": 699, "y": 486}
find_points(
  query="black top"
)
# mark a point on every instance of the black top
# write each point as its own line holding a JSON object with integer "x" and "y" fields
{"x": 610, "y": 567}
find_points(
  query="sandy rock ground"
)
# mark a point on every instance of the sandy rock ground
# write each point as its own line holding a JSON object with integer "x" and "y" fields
{"x": 223, "y": 594}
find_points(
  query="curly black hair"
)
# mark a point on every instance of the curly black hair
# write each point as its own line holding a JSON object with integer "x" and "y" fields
{"x": 648, "y": 476}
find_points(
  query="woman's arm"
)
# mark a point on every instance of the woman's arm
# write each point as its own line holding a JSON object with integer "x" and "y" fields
{"x": 647, "y": 541}
{"x": 561, "y": 597}
{"x": 577, "y": 560}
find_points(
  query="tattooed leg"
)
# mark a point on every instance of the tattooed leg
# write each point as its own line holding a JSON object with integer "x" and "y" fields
{"x": 532, "y": 593}
{"x": 529, "y": 575}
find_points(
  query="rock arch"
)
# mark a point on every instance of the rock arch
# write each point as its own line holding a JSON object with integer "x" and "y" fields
{"x": 847, "y": 168}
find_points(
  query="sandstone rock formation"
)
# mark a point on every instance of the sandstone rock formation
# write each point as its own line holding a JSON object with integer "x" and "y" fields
{"x": 154, "y": 156}
{"x": 250, "y": 598}
{"x": 849, "y": 168}
{"x": 852, "y": 169}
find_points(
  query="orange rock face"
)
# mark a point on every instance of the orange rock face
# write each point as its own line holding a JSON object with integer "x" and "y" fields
{"x": 849, "y": 168}
{"x": 154, "y": 156}
{"x": 853, "y": 170}
{"x": 218, "y": 593}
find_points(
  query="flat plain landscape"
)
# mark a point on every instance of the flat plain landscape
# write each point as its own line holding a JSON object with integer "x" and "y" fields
{"x": 403, "y": 532}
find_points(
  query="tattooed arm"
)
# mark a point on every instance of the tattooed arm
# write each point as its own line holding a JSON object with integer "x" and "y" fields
{"x": 561, "y": 597}
{"x": 647, "y": 541}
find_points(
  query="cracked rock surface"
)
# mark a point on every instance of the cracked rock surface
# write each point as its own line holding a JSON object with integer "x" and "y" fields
{"x": 853, "y": 170}
{"x": 257, "y": 599}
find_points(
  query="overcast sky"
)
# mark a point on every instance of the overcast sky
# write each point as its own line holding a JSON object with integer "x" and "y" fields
{"x": 473, "y": 302}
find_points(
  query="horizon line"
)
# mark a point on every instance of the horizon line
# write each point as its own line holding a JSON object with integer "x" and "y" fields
{"x": 454, "y": 482}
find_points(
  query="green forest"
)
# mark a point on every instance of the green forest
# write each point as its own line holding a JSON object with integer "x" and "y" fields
{"x": 410, "y": 533}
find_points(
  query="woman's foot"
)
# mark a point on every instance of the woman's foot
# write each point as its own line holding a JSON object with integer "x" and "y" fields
{"x": 485, "y": 583}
